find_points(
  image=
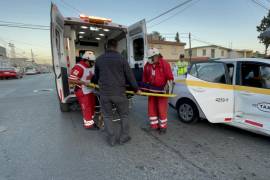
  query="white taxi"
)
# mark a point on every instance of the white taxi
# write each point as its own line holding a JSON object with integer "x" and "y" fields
{"x": 231, "y": 91}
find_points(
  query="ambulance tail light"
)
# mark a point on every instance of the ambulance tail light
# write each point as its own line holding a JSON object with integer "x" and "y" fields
{"x": 228, "y": 119}
{"x": 94, "y": 19}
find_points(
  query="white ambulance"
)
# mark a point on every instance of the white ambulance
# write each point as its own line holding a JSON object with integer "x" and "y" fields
{"x": 231, "y": 91}
{"x": 71, "y": 37}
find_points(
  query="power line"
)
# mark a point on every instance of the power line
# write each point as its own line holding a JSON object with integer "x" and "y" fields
{"x": 205, "y": 42}
{"x": 260, "y": 4}
{"x": 175, "y": 14}
{"x": 29, "y": 44}
{"x": 24, "y": 27}
{"x": 70, "y": 6}
{"x": 67, "y": 8}
{"x": 171, "y": 33}
{"x": 23, "y": 24}
{"x": 166, "y": 12}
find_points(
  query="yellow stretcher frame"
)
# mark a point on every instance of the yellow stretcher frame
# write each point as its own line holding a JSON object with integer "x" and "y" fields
{"x": 91, "y": 85}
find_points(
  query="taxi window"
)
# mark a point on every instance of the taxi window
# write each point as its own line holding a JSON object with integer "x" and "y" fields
{"x": 211, "y": 72}
{"x": 230, "y": 71}
{"x": 265, "y": 74}
{"x": 193, "y": 70}
{"x": 255, "y": 75}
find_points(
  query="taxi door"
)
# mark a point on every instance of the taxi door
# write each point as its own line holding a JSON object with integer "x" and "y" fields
{"x": 252, "y": 95}
{"x": 210, "y": 85}
{"x": 137, "y": 47}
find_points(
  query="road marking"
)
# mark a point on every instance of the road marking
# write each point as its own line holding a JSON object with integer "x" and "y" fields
{"x": 42, "y": 90}
{"x": 2, "y": 129}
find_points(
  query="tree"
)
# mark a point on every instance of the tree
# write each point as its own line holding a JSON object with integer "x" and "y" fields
{"x": 157, "y": 35}
{"x": 265, "y": 23}
{"x": 177, "y": 39}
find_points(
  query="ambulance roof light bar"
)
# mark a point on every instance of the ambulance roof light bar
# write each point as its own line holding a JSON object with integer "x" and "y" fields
{"x": 94, "y": 19}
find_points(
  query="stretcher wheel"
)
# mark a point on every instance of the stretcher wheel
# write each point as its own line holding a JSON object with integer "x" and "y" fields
{"x": 64, "y": 107}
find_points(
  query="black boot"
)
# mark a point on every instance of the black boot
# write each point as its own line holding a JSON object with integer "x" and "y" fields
{"x": 124, "y": 140}
{"x": 111, "y": 141}
{"x": 162, "y": 131}
{"x": 149, "y": 129}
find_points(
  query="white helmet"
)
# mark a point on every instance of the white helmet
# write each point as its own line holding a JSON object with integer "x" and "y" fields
{"x": 89, "y": 56}
{"x": 153, "y": 52}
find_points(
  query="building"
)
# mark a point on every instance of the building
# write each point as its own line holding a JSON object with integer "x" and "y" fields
{"x": 214, "y": 51}
{"x": 4, "y": 62}
{"x": 3, "y": 52}
{"x": 170, "y": 50}
{"x": 19, "y": 62}
{"x": 241, "y": 53}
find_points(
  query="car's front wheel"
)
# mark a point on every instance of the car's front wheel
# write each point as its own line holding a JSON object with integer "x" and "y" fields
{"x": 187, "y": 111}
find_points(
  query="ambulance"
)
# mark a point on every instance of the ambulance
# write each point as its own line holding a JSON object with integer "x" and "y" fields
{"x": 71, "y": 37}
{"x": 231, "y": 91}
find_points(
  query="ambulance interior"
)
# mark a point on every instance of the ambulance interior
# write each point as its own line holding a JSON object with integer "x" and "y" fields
{"x": 79, "y": 38}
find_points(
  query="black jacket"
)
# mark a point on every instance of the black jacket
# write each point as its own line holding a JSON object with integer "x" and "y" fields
{"x": 112, "y": 72}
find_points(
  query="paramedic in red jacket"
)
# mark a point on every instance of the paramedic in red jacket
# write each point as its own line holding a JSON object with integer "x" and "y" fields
{"x": 157, "y": 73}
{"x": 81, "y": 74}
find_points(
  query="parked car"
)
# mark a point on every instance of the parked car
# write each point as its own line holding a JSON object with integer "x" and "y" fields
{"x": 20, "y": 72}
{"x": 31, "y": 71}
{"x": 231, "y": 91}
{"x": 10, "y": 72}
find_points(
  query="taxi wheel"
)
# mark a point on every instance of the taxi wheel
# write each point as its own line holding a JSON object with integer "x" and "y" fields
{"x": 187, "y": 111}
{"x": 64, "y": 107}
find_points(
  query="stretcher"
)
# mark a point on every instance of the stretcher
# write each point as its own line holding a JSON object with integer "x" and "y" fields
{"x": 91, "y": 85}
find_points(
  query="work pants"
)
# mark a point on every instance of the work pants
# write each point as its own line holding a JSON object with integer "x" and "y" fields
{"x": 157, "y": 112}
{"x": 122, "y": 105}
{"x": 87, "y": 103}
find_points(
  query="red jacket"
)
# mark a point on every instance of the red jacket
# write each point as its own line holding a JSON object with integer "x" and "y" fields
{"x": 157, "y": 74}
{"x": 77, "y": 72}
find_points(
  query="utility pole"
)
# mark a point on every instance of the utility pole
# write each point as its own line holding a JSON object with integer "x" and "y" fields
{"x": 190, "y": 51}
{"x": 32, "y": 56}
{"x": 12, "y": 50}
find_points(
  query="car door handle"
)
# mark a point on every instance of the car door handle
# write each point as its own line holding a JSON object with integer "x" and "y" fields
{"x": 199, "y": 90}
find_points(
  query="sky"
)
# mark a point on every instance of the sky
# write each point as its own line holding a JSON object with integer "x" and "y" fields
{"x": 230, "y": 23}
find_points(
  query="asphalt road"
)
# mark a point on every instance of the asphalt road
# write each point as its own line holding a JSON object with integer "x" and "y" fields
{"x": 37, "y": 141}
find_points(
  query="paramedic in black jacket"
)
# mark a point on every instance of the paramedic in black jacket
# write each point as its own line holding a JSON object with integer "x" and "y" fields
{"x": 112, "y": 72}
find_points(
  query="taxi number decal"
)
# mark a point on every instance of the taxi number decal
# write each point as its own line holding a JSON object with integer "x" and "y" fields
{"x": 221, "y": 100}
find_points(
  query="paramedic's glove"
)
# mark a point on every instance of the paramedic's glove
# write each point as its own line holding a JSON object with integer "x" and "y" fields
{"x": 169, "y": 87}
{"x": 86, "y": 83}
{"x": 138, "y": 92}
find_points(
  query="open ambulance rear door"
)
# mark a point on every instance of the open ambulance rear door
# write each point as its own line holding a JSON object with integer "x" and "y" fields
{"x": 59, "y": 65}
{"x": 137, "y": 47}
